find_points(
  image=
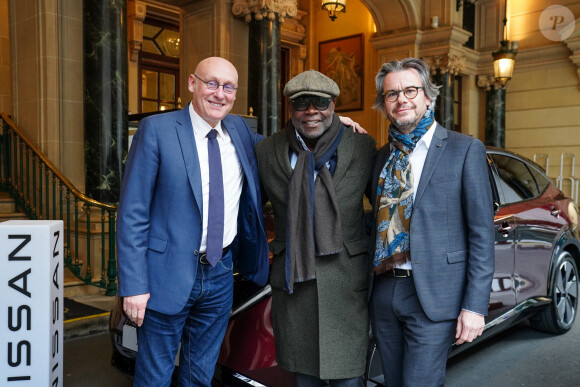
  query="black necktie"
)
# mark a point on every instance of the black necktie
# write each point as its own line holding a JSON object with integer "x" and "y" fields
{"x": 215, "y": 224}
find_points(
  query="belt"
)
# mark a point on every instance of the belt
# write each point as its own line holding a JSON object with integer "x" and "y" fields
{"x": 203, "y": 256}
{"x": 399, "y": 273}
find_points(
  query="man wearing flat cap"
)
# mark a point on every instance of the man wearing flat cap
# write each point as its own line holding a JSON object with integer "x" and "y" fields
{"x": 314, "y": 173}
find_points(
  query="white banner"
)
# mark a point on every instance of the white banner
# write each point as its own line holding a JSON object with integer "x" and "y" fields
{"x": 31, "y": 303}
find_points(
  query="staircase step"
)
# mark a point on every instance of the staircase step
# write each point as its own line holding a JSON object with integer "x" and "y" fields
{"x": 74, "y": 287}
{"x": 7, "y": 206}
{"x": 6, "y": 203}
{"x": 79, "y": 288}
{"x": 13, "y": 216}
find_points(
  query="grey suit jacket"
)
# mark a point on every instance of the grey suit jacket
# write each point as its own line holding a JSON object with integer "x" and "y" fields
{"x": 452, "y": 234}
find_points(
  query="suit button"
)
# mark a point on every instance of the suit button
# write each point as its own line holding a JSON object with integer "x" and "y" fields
{"x": 195, "y": 252}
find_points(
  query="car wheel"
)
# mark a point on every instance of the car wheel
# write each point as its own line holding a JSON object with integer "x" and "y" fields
{"x": 559, "y": 316}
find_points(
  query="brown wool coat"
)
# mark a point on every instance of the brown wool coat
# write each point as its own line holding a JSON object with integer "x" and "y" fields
{"x": 322, "y": 328}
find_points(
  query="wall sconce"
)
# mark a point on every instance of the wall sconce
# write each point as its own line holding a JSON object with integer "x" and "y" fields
{"x": 504, "y": 61}
{"x": 334, "y": 7}
{"x": 504, "y": 58}
{"x": 435, "y": 22}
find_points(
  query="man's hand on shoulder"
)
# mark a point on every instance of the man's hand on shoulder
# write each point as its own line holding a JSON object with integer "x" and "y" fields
{"x": 469, "y": 327}
{"x": 134, "y": 307}
{"x": 356, "y": 128}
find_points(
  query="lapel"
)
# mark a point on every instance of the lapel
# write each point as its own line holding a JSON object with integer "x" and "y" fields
{"x": 184, "y": 130}
{"x": 282, "y": 151}
{"x": 382, "y": 156}
{"x": 344, "y": 155}
{"x": 436, "y": 149}
{"x": 228, "y": 124}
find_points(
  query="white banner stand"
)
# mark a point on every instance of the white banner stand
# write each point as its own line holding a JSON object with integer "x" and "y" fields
{"x": 31, "y": 303}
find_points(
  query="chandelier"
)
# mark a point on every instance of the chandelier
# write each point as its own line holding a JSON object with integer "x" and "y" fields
{"x": 334, "y": 7}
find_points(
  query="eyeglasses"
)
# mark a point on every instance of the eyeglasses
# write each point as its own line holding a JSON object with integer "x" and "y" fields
{"x": 213, "y": 85}
{"x": 409, "y": 92}
{"x": 303, "y": 103}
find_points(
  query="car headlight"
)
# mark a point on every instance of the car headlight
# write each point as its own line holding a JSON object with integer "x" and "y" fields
{"x": 573, "y": 213}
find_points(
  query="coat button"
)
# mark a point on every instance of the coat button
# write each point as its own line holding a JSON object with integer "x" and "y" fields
{"x": 195, "y": 252}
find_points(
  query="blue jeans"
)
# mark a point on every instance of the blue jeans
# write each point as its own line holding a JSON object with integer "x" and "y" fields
{"x": 200, "y": 327}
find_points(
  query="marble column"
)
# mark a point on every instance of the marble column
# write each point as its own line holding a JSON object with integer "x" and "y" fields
{"x": 444, "y": 113}
{"x": 105, "y": 97}
{"x": 495, "y": 116}
{"x": 264, "y": 75}
{"x": 264, "y": 18}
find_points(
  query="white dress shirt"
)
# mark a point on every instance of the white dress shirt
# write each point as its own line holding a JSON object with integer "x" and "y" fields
{"x": 233, "y": 176}
{"x": 417, "y": 160}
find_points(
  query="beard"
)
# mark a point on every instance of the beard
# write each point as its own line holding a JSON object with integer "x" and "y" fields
{"x": 406, "y": 125}
{"x": 324, "y": 125}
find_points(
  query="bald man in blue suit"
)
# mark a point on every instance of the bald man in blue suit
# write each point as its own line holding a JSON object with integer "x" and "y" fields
{"x": 170, "y": 289}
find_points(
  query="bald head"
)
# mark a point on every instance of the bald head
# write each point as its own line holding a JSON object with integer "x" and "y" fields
{"x": 213, "y": 105}
{"x": 215, "y": 64}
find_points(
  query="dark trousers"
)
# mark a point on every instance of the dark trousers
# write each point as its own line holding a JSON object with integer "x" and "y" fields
{"x": 303, "y": 380}
{"x": 413, "y": 348}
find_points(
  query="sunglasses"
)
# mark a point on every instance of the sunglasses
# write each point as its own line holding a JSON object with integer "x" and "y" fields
{"x": 303, "y": 103}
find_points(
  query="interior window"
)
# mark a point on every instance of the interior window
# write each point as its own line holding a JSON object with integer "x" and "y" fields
{"x": 159, "y": 66}
{"x": 542, "y": 181}
{"x": 515, "y": 179}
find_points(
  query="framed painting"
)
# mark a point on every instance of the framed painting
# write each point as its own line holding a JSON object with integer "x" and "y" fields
{"x": 342, "y": 60}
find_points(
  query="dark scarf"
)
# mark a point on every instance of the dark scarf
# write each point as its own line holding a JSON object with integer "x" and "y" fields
{"x": 313, "y": 216}
{"x": 395, "y": 198}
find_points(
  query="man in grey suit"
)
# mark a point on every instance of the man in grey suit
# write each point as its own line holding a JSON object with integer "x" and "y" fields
{"x": 314, "y": 173}
{"x": 433, "y": 257}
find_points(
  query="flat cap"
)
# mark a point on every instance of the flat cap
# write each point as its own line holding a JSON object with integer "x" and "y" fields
{"x": 311, "y": 82}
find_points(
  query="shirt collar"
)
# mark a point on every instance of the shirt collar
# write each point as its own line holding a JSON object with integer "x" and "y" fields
{"x": 200, "y": 127}
{"x": 428, "y": 136}
{"x": 301, "y": 140}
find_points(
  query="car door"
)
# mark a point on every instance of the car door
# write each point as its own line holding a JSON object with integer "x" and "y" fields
{"x": 503, "y": 293}
{"x": 533, "y": 202}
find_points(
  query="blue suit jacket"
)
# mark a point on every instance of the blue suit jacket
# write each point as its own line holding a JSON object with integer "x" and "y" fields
{"x": 159, "y": 221}
{"x": 452, "y": 232}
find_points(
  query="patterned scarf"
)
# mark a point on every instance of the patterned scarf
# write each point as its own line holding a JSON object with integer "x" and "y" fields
{"x": 313, "y": 218}
{"x": 395, "y": 198}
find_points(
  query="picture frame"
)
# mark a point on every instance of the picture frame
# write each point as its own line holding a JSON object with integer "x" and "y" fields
{"x": 342, "y": 60}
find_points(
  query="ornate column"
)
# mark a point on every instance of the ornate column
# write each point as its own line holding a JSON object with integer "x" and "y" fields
{"x": 444, "y": 107}
{"x": 494, "y": 111}
{"x": 105, "y": 97}
{"x": 443, "y": 71}
{"x": 264, "y": 57}
{"x": 573, "y": 44}
{"x": 136, "y": 12}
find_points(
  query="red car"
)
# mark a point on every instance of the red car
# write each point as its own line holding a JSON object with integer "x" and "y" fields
{"x": 536, "y": 277}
